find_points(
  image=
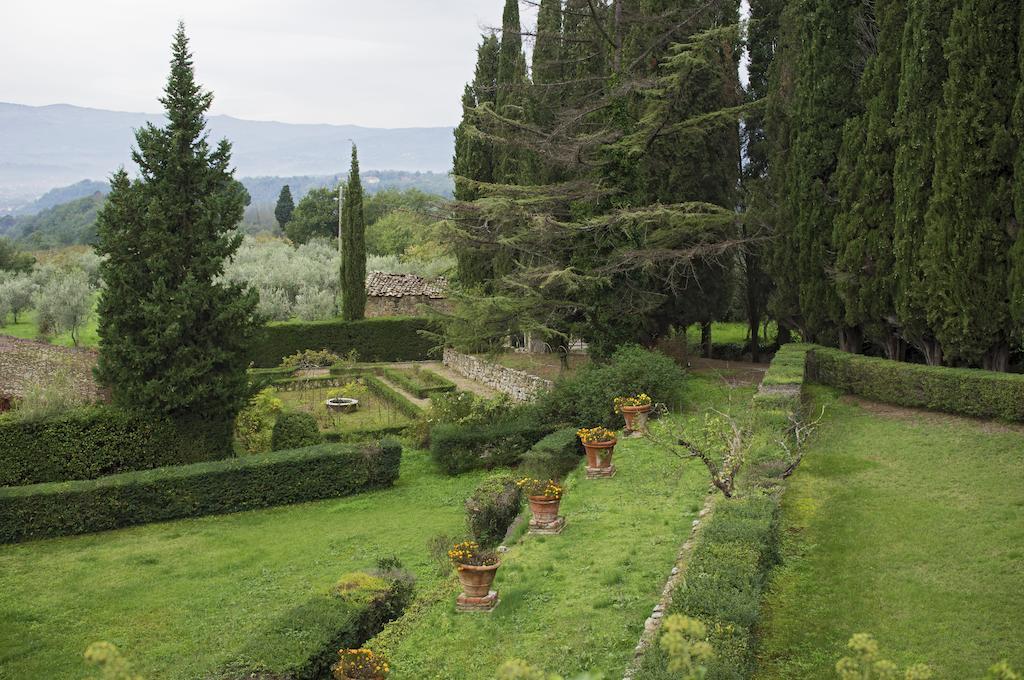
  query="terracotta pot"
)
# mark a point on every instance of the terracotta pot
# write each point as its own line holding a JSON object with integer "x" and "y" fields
{"x": 599, "y": 454}
{"x": 476, "y": 581}
{"x": 636, "y": 416}
{"x": 544, "y": 509}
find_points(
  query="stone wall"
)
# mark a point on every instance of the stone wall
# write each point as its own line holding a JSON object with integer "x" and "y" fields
{"x": 408, "y": 305}
{"x": 519, "y": 385}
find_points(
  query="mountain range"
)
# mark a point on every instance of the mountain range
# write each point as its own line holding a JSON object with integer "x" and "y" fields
{"x": 42, "y": 147}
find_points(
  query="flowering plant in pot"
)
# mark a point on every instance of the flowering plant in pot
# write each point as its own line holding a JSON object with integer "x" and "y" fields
{"x": 544, "y": 496}
{"x": 634, "y": 410}
{"x": 599, "y": 443}
{"x": 360, "y": 664}
{"x": 476, "y": 568}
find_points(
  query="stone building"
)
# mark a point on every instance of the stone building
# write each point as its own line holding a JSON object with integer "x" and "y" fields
{"x": 404, "y": 294}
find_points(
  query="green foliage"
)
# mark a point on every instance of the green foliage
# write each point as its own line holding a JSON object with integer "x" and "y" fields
{"x": 90, "y": 442}
{"x": 65, "y": 224}
{"x": 284, "y": 208}
{"x": 964, "y": 391}
{"x": 554, "y": 456}
{"x": 174, "y": 338}
{"x": 586, "y": 398}
{"x": 391, "y": 338}
{"x": 312, "y": 358}
{"x": 293, "y": 430}
{"x": 683, "y": 640}
{"x": 353, "y": 246}
{"x": 112, "y": 664}
{"x": 258, "y": 481}
{"x": 864, "y": 663}
{"x": 254, "y": 426}
{"x": 316, "y": 216}
{"x": 64, "y": 304}
{"x": 418, "y": 381}
{"x": 17, "y": 295}
{"x": 966, "y": 241}
{"x": 52, "y": 395}
{"x": 461, "y": 448}
{"x": 492, "y": 508}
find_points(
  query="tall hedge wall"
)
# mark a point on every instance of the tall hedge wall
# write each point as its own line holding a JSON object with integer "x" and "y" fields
{"x": 92, "y": 442}
{"x": 963, "y": 391}
{"x": 461, "y": 448}
{"x": 257, "y": 481}
{"x": 380, "y": 339}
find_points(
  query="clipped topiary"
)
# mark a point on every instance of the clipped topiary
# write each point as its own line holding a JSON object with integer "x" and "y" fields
{"x": 295, "y": 429}
{"x": 492, "y": 508}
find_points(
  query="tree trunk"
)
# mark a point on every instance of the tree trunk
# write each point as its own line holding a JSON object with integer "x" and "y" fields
{"x": 997, "y": 358}
{"x": 895, "y": 347}
{"x": 850, "y": 339}
{"x": 755, "y": 340}
{"x": 785, "y": 334}
{"x": 932, "y": 351}
{"x": 705, "y": 339}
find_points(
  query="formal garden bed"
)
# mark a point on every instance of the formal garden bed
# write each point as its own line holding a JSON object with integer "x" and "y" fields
{"x": 375, "y": 413}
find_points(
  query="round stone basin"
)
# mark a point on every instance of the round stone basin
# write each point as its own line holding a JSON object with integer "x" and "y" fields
{"x": 342, "y": 405}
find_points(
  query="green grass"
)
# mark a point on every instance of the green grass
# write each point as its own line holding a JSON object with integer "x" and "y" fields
{"x": 373, "y": 412}
{"x": 27, "y": 328}
{"x": 576, "y": 601}
{"x": 181, "y": 598}
{"x": 906, "y": 525}
{"x": 545, "y": 366}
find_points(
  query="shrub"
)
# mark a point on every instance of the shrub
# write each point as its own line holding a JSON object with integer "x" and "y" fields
{"x": 306, "y": 639}
{"x": 963, "y": 391}
{"x": 554, "y": 456}
{"x": 295, "y": 429}
{"x": 216, "y": 487}
{"x": 460, "y": 448}
{"x": 492, "y": 508}
{"x": 587, "y": 397}
{"x": 310, "y": 358}
{"x": 255, "y": 423}
{"x": 94, "y": 441}
{"x": 64, "y": 304}
{"x": 390, "y": 338}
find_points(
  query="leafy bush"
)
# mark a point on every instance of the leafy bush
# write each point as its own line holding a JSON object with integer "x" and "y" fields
{"x": 587, "y": 397}
{"x": 91, "y": 442}
{"x": 293, "y": 430}
{"x": 309, "y": 359}
{"x": 964, "y": 391}
{"x": 216, "y": 487}
{"x": 255, "y": 423}
{"x": 460, "y": 448}
{"x": 554, "y": 456}
{"x": 492, "y": 508}
{"x": 391, "y": 338}
{"x": 305, "y": 640}
{"x": 16, "y": 296}
{"x": 64, "y": 304}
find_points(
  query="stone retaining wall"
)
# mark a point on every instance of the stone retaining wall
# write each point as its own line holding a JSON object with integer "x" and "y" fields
{"x": 519, "y": 385}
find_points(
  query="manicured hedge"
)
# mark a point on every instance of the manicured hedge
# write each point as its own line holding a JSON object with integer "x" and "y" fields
{"x": 295, "y": 430}
{"x": 250, "y": 482}
{"x": 421, "y": 383}
{"x": 492, "y": 508}
{"x": 554, "y": 456}
{"x": 969, "y": 392}
{"x": 460, "y": 448}
{"x": 303, "y": 644}
{"x": 391, "y": 338}
{"x": 91, "y": 442}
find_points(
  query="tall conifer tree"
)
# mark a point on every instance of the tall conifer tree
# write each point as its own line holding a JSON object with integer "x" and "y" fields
{"x": 1017, "y": 253}
{"x": 511, "y": 93}
{"x": 353, "y": 246}
{"x": 922, "y": 73}
{"x": 864, "y": 224}
{"x": 285, "y": 207}
{"x": 173, "y": 336}
{"x": 967, "y": 243}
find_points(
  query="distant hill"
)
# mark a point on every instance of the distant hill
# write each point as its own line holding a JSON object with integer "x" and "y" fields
{"x": 66, "y": 224}
{"x": 42, "y": 147}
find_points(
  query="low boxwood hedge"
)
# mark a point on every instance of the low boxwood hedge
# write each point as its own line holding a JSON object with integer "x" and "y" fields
{"x": 963, "y": 391}
{"x": 91, "y": 442}
{"x": 421, "y": 383}
{"x": 492, "y": 508}
{"x": 247, "y": 483}
{"x": 303, "y": 644}
{"x": 554, "y": 456}
{"x": 392, "y": 338}
{"x": 460, "y": 448}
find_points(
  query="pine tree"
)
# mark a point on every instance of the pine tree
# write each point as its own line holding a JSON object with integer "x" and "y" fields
{"x": 353, "y": 246}
{"x": 922, "y": 73}
{"x": 865, "y": 222}
{"x": 967, "y": 242}
{"x": 284, "y": 208}
{"x": 173, "y": 336}
{"x": 823, "y": 98}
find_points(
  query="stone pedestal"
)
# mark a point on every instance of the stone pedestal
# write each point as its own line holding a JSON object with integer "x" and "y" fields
{"x": 600, "y": 473}
{"x": 465, "y": 603}
{"x": 547, "y": 528}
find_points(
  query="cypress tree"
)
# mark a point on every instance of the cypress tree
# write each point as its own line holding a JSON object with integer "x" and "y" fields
{"x": 967, "y": 242}
{"x": 583, "y": 54}
{"x": 511, "y": 90}
{"x": 285, "y": 207}
{"x": 353, "y": 246}
{"x": 922, "y": 73}
{"x": 1017, "y": 254}
{"x": 547, "y": 82}
{"x": 173, "y": 336}
{"x": 823, "y": 98}
{"x": 864, "y": 224}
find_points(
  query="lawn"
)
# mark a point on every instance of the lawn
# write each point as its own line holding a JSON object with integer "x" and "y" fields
{"x": 180, "y": 598}
{"x": 374, "y": 412}
{"x": 27, "y": 328}
{"x": 576, "y": 601}
{"x": 907, "y": 525}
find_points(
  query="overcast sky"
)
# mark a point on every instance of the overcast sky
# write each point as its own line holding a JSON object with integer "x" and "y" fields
{"x": 378, "y": 63}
